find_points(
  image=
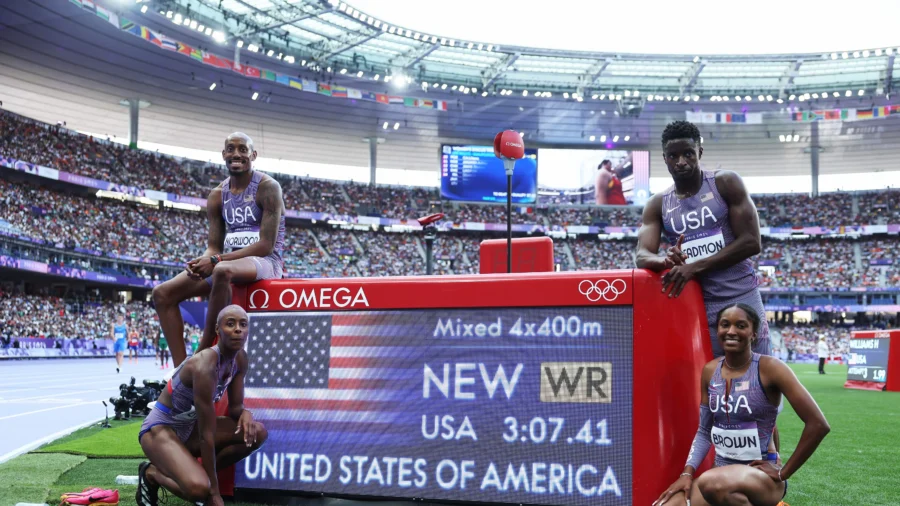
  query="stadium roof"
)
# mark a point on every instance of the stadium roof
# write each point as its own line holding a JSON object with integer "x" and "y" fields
{"x": 331, "y": 36}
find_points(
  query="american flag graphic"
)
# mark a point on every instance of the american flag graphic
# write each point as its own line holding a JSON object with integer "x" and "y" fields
{"x": 331, "y": 378}
{"x": 741, "y": 386}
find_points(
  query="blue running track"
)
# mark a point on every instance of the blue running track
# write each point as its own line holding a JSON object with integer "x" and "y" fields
{"x": 44, "y": 399}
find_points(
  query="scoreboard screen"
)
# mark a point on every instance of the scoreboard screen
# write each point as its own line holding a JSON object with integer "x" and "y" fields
{"x": 505, "y": 405}
{"x": 868, "y": 359}
{"x": 474, "y": 174}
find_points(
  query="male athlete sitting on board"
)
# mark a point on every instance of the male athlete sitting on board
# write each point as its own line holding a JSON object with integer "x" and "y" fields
{"x": 246, "y": 217}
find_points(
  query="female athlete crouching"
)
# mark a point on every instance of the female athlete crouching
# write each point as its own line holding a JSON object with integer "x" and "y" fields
{"x": 183, "y": 424}
{"x": 737, "y": 416}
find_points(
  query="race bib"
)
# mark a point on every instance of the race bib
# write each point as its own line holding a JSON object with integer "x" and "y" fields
{"x": 703, "y": 246}
{"x": 737, "y": 441}
{"x": 238, "y": 240}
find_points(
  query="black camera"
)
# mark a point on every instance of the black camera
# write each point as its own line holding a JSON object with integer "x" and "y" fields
{"x": 134, "y": 399}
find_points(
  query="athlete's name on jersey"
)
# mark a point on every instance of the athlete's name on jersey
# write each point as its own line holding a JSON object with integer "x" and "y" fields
{"x": 703, "y": 247}
{"x": 693, "y": 220}
{"x": 238, "y": 240}
{"x": 736, "y": 440}
{"x": 239, "y": 215}
{"x": 717, "y": 403}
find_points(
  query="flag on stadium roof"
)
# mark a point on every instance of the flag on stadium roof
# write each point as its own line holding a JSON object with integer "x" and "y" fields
{"x": 208, "y": 58}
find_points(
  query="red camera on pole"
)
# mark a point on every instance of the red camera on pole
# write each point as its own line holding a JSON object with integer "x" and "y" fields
{"x": 509, "y": 147}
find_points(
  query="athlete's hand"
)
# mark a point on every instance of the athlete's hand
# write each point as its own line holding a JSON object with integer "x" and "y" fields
{"x": 201, "y": 266}
{"x": 674, "y": 255}
{"x": 245, "y": 423}
{"x": 767, "y": 467}
{"x": 215, "y": 500}
{"x": 190, "y": 273}
{"x": 677, "y": 278}
{"x": 682, "y": 484}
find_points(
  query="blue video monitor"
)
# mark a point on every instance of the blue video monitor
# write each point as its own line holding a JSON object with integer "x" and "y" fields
{"x": 474, "y": 174}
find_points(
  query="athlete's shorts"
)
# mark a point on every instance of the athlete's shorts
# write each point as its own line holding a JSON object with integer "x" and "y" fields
{"x": 163, "y": 347}
{"x": 754, "y": 300}
{"x": 270, "y": 267}
{"x": 133, "y": 347}
{"x": 160, "y": 415}
{"x": 120, "y": 346}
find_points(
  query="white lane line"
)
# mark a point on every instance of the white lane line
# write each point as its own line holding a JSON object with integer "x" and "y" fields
{"x": 111, "y": 384}
{"x": 46, "y": 409}
{"x": 40, "y": 442}
{"x": 17, "y": 399}
{"x": 31, "y": 381}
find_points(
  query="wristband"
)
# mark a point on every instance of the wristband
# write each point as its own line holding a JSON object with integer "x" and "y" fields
{"x": 215, "y": 259}
{"x": 689, "y": 475}
{"x": 779, "y": 475}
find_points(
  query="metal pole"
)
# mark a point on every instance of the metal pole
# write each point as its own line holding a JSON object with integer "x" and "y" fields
{"x": 429, "y": 257}
{"x": 373, "y": 155}
{"x": 508, "y": 223}
{"x": 134, "y": 108}
{"x": 814, "y": 156}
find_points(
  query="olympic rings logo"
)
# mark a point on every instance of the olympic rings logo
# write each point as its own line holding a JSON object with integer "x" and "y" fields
{"x": 602, "y": 289}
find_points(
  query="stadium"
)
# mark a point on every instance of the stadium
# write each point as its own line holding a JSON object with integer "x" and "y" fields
{"x": 449, "y": 364}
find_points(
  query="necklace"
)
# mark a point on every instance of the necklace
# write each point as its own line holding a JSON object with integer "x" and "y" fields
{"x": 725, "y": 361}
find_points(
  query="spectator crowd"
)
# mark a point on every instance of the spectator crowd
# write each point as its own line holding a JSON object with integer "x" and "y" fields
{"x": 80, "y": 230}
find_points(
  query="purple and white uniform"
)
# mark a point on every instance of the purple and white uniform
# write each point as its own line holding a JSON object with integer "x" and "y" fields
{"x": 739, "y": 424}
{"x": 243, "y": 218}
{"x": 703, "y": 219}
{"x": 182, "y": 416}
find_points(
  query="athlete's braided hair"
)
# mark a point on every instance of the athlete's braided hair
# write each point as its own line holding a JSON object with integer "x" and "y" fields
{"x": 680, "y": 130}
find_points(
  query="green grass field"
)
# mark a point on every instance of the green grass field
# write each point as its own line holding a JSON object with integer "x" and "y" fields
{"x": 857, "y": 464}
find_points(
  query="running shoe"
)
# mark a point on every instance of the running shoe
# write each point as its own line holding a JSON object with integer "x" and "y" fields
{"x": 87, "y": 491}
{"x": 147, "y": 494}
{"x": 95, "y": 498}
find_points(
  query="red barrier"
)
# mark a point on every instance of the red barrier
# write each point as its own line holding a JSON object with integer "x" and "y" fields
{"x": 530, "y": 254}
{"x": 671, "y": 342}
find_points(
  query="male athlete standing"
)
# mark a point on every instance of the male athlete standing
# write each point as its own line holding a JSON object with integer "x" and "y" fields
{"x": 118, "y": 332}
{"x": 714, "y": 227}
{"x": 713, "y": 224}
{"x": 246, "y": 218}
{"x": 134, "y": 344}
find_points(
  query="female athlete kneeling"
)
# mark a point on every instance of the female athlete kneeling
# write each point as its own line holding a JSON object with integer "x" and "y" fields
{"x": 183, "y": 424}
{"x": 740, "y": 395}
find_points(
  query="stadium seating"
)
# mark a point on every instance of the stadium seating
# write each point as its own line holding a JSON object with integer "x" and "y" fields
{"x": 60, "y": 222}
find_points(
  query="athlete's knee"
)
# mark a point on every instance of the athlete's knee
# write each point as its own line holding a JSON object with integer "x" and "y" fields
{"x": 159, "y": 294}
{"x": 196, "y": 487}
{"x": 222, "y": 272}
{"x": 714, "y": 487}
{"x": 164, "y": 294}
